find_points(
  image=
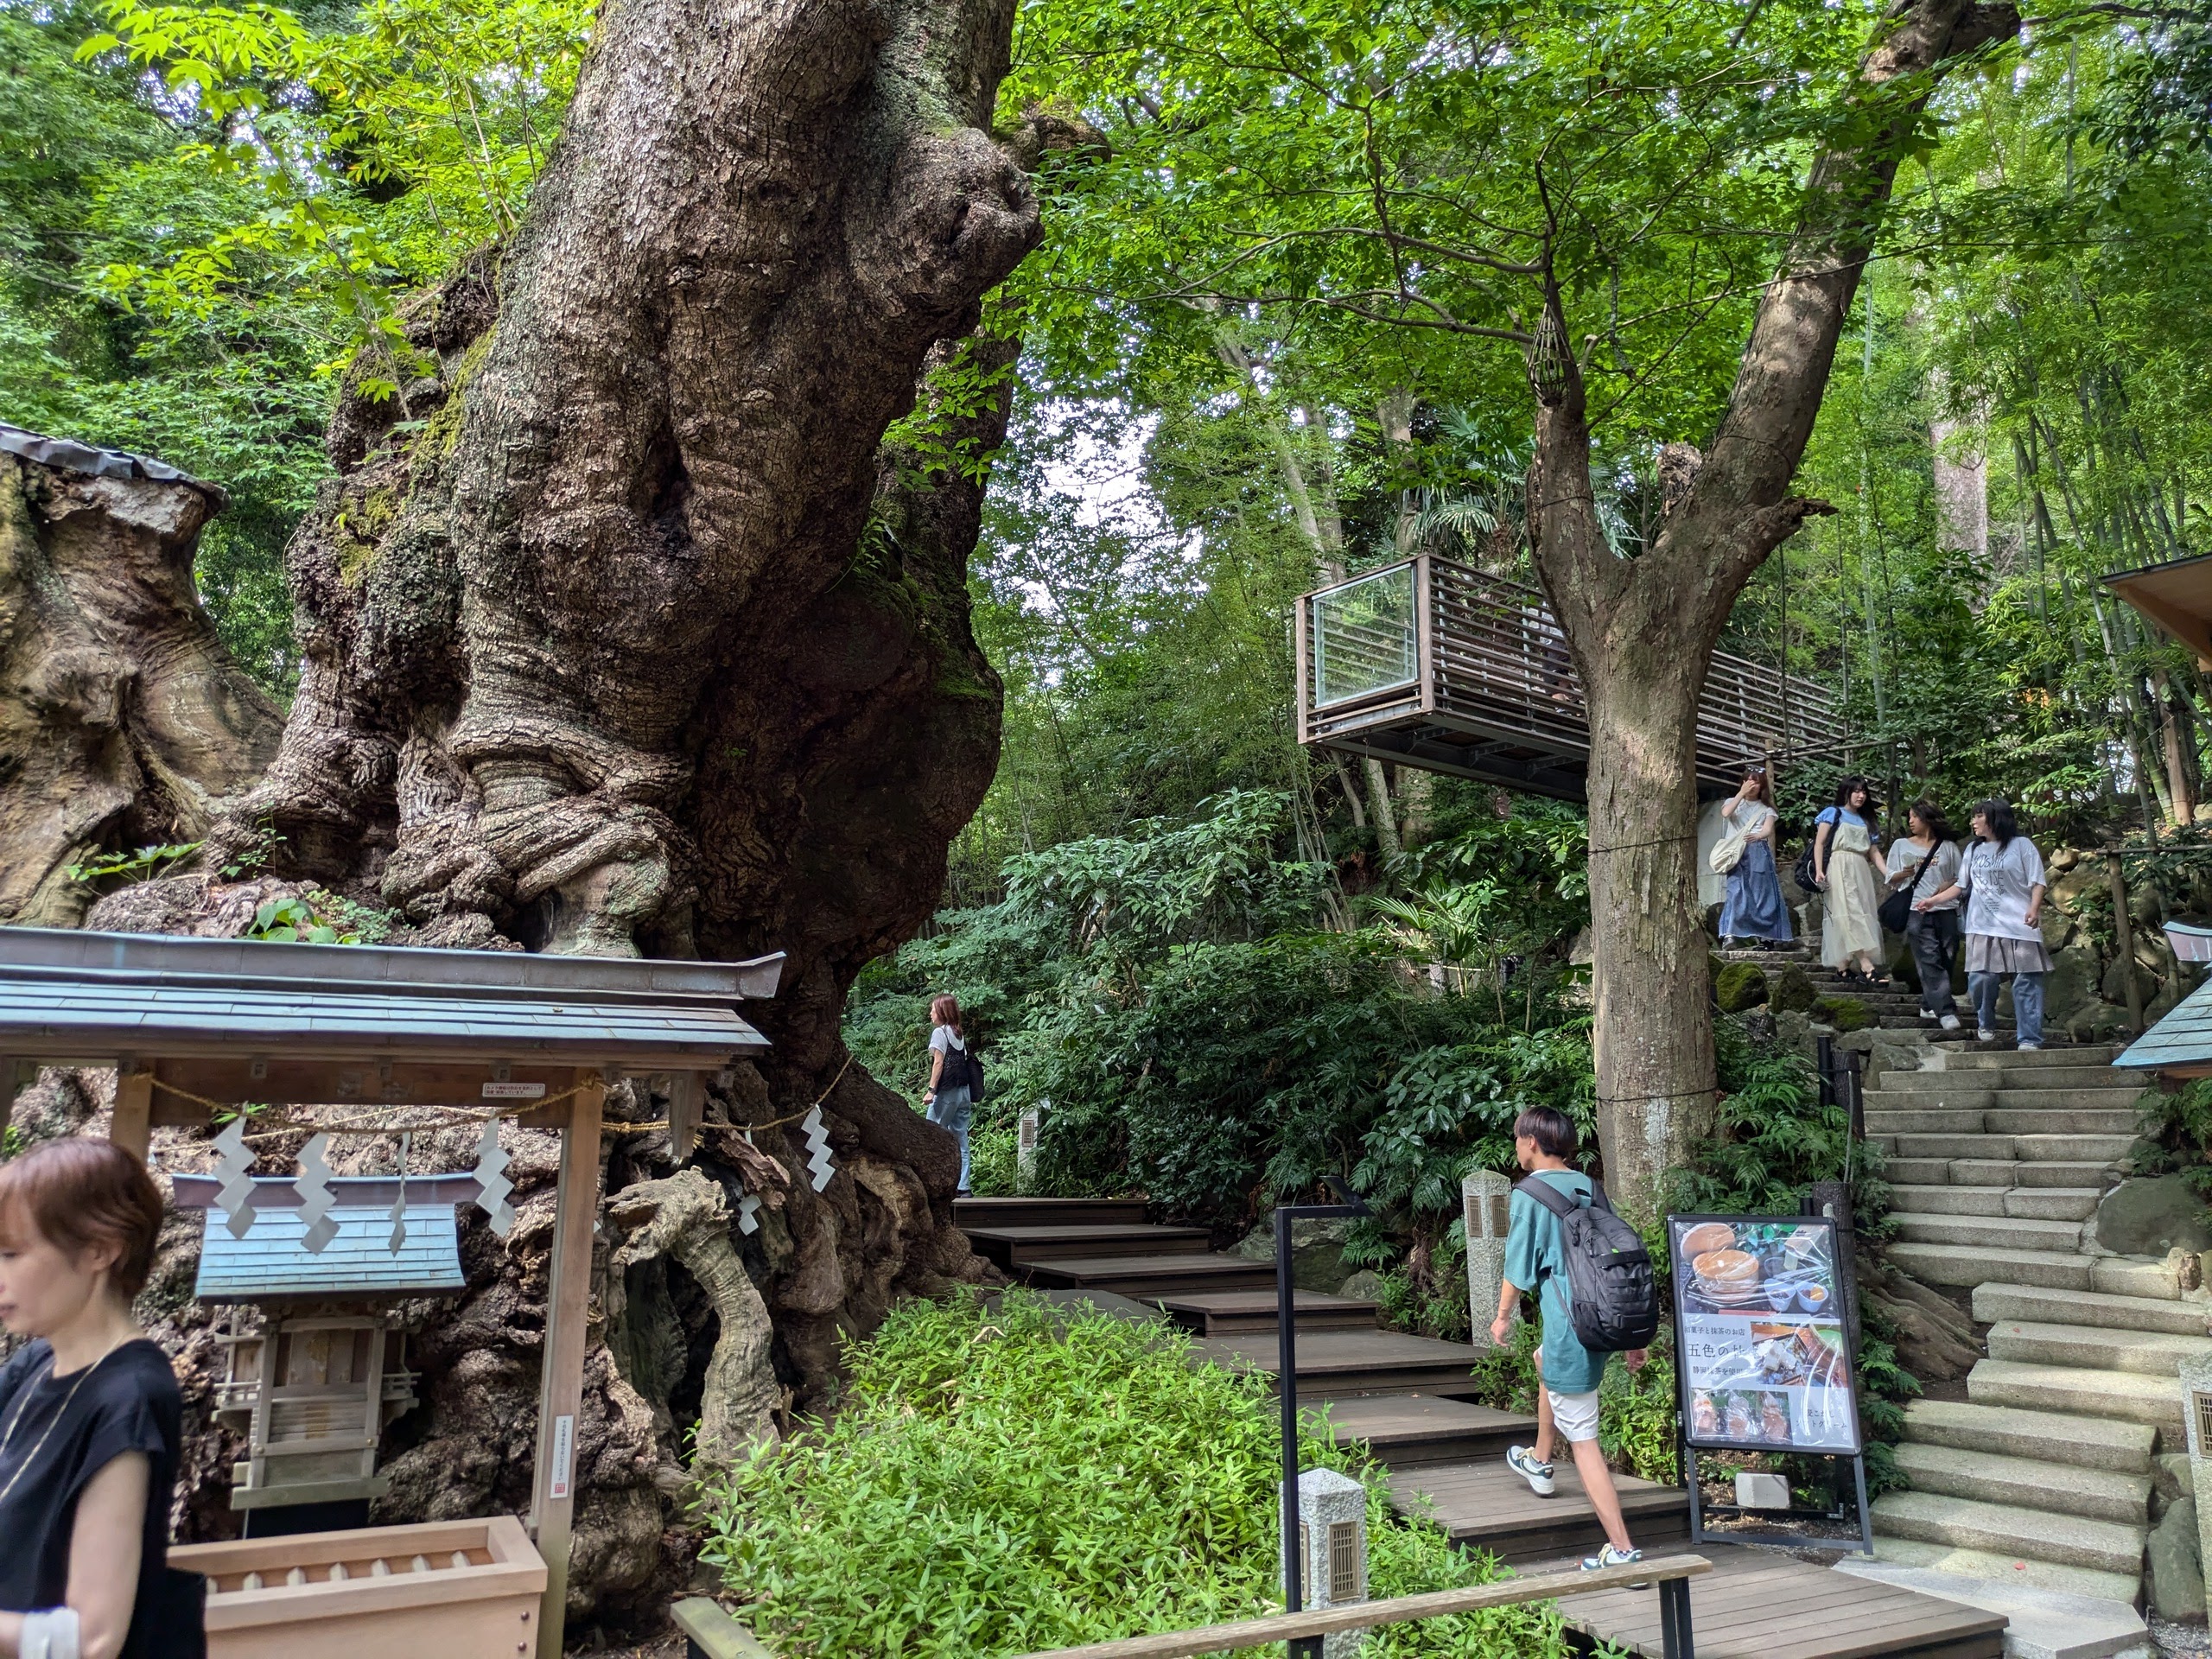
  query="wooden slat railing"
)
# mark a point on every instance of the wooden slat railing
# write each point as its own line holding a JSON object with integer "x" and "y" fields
{"x": 1490, "y": 656}
{"x": 1396, "y": 1610}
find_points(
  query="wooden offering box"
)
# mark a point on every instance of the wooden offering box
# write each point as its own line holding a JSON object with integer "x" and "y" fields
{"x": 446, "y": 1590}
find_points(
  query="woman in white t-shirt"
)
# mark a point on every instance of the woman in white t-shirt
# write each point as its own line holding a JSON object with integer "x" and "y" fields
{"x": 948, "y": 1098}
{"x": 1933, "y": 932}
{"x": 2002, "y": 878}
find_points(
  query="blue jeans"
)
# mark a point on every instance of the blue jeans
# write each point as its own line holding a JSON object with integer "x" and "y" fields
{"x": 951, "y": 1109}
{"x": 2027, "y": 1002}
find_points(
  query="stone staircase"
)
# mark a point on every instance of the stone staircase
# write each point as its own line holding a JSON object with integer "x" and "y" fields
{"x": 2042, "y": 1475}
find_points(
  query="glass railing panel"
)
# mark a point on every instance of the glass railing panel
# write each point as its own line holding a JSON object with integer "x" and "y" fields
{"x": 1363, "y": 636}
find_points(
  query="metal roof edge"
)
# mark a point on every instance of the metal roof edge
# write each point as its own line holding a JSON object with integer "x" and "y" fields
{"x": 382, "y": 968}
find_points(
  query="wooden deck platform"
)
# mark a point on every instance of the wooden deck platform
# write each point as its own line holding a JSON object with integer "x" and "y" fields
{"x": 1758, "y": 1603}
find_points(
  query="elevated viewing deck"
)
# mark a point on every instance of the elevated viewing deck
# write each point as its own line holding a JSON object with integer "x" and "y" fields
{"x": 1435, "y": 665}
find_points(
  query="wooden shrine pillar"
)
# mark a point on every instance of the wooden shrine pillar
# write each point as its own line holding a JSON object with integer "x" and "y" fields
{"x": 561, "y": 1379}
{"x": 132, "y": 1127}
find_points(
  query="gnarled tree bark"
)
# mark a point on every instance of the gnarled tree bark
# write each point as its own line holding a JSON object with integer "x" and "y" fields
{"x": 1643, "y": 630}
{"x": 123, "y": 720}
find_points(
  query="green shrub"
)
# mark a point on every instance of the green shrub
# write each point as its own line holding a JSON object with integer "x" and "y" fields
{"x": 2175, "y": 1132}
{"x": 1000, "y": 1482}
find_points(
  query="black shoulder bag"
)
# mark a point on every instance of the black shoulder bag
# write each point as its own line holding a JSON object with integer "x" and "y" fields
{"x": 1896, "y": 911}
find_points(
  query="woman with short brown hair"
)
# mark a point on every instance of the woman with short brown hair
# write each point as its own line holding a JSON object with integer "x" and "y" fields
{"x": 90, "y": 1418}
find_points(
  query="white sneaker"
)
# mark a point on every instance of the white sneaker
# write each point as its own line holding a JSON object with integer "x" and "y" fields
{"x": 1986, "y": 1034}
{"x": 1611, "y": 1557}
{"x": 1523, "y": 1462}
{"x": 1930, "y": 1014}
{"x": 2028, "y": 1048}
{"x": 1950, "y": 1022}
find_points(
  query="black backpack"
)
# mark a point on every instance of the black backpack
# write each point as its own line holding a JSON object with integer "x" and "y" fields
{"x": 964, "y": 1064}
{"x": 1610, "y": 1289}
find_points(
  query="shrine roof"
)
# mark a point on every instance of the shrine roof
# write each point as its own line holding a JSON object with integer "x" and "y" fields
{"x": 93, "y": 997}
{"x": 270, "y": 1263}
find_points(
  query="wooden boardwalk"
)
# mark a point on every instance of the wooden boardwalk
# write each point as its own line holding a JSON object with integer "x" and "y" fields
{"x": 1392, "y": 1393}
{"x": 1758, "y": 1603}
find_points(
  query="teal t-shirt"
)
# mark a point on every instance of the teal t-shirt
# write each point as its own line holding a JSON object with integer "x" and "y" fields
{"x": 1536, "y": 1254}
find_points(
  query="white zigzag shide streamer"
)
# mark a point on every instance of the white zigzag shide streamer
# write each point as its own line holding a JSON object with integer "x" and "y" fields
{"x": 316, "y": 1197}
{"x": 400, "y": 1203}
{"x": 749, "y": 1214}
{"x": 817, "y": 1150}
{"x": 493, "y": 1187}
{"x": 235, "y": 1167}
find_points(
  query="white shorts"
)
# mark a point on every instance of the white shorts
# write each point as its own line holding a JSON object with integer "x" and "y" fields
{"x": 1575, "y": 1415}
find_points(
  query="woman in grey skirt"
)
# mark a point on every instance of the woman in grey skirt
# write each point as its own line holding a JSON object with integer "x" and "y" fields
{"x": 2002, "y": 878}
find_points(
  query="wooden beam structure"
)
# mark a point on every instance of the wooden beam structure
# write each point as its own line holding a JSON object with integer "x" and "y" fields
{"x": 195, "y": 1026}
{"x": 560, "y": 1378}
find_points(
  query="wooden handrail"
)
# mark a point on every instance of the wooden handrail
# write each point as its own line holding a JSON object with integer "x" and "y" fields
{"x": 1397, "y": 1610}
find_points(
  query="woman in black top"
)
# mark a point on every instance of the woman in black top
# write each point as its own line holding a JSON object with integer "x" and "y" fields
{"x": 89, "y": 1411}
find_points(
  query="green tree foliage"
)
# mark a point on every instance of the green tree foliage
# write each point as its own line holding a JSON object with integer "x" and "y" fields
{"x": 1003, "y": 1480}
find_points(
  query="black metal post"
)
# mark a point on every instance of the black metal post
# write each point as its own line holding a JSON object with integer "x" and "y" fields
{"x": 1824, "y": 1059}
{"x": 1675, "y": 1639}
{"x": 1293, "y": 1594}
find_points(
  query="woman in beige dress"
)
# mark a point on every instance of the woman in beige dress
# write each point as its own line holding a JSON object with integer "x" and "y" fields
{"x": 1847, "y": 867}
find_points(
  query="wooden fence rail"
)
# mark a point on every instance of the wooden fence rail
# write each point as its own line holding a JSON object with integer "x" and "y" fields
{"x": 1671, "y": 1573}
{"x": 713, "y": 1633}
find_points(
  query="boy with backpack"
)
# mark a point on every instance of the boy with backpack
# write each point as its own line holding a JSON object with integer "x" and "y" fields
{"x": 1594, "y": 1282}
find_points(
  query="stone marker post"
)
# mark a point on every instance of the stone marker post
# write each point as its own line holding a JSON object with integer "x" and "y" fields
{"x": 1332, "y": 1550}
{"x": 1487, "y": 1195}
{"x": 2196, "y": 1414}
{"x": 1024, "y": 1149}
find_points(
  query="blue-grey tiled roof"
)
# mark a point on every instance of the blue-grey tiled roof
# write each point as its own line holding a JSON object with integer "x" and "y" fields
{"x": 2182, "y": 1037}
{"x": 88, "y": 996}
{"x": 271, "y": 1262}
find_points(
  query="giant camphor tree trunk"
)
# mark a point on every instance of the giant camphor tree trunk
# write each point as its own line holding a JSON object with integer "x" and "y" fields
{"x": 123, "y": 720}
{"x": 624, "y": 631}
{"x": 1643, "y": 630}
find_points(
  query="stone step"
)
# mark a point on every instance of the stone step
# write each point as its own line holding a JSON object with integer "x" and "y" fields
{"x": 2048, "y": 1437}
{"x": 2006, "y": 1119}
{"x": 2010, "y": 1172}
{"x": 1969, "y": 1566}
{"x": 2097, "y": 1348}
{"x": 2004, "y": 1529}
{"x": 1919, "y": 1171}
{"x": 1999, "y": 1232}
{"x": 2071, "y": 1149}
{"x": 1965, "y": 1267}
{"x": 1927, "y": 1079}
{"x": 2026, "y": 1483}
{"x": 1925, "y": 1120}
{"x": 2068, "y": 1073}
{"x": 2029, "y": 1202}
{"x": 1946, "y": 1146}
{"x": 2130, "y": 1396}
{"x": 1993, "y": 1302}
{"x": 2103, "y": 1104}
{"x": 2134, "y": 1276}
{"x": 2098, "y": 1054}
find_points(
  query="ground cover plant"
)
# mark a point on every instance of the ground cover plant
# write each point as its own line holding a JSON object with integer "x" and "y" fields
{"x": 1005, "y": 1478}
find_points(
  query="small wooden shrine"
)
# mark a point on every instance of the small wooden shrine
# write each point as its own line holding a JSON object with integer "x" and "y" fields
{"x": 346, "y": 1039}
{"x": 315, "y": 1370}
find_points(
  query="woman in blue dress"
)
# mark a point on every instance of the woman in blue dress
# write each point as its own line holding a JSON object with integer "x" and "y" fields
{"x": 1754, "y": 909}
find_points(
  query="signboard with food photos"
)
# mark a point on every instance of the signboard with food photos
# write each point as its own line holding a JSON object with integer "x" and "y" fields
{"x": 1765, "y": 1365}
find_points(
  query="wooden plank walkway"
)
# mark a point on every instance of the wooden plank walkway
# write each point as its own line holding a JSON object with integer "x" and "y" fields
{"x": 1757, "y": 1604}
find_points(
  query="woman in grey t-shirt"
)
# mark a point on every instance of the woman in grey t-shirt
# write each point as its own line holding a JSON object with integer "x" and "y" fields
{"x": 1933, "y": 932}
{"x": 2002, "y": 878}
